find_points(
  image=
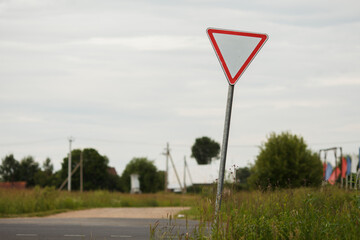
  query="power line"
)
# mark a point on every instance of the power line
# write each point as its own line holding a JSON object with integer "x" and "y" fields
{"x": 30, "y": 142}
{"x": 244, "y": 146}
{"x": 177, "y": 145}
{"x": 121, "y": 141}
{"x": 21, "y": 143}
{"x": 335, "y": 143}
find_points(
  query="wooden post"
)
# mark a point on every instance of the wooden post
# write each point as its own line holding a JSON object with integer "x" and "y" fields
{"x": 81, "y": 171}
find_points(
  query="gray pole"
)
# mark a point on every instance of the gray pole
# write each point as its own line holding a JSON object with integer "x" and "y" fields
{"x": 224, "y": 149}
{"x": 69, "y": 165}
{"x": 176, "y": 174}
{"x": 81, "y": 171}
{"x": 167, "y": 166}
{"x": 187, "y": 168}
{"x": 184, "y": 174}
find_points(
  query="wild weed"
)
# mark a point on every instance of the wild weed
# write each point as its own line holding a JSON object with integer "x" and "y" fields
{"x": 302, "y": 213}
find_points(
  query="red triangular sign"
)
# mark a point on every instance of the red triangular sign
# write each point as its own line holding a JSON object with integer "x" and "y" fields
{"x": 235, "y": 50}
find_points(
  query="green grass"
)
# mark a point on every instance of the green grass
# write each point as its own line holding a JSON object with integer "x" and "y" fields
{"x": 46, "y": 201}
{"x": 326, "y": 213}
{"x": 304, "y": 213}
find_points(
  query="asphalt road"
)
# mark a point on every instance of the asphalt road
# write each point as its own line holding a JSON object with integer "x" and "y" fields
{"x": 93, "y": 228}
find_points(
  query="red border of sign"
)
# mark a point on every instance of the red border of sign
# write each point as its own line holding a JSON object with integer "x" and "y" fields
{"x": 211, "y": 31}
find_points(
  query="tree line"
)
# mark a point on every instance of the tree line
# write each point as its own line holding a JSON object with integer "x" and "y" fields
{"x": 96, "y": 172}
{"x": 284, "y": 161}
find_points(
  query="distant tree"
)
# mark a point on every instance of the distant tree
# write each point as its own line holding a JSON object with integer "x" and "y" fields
{"x": 10, "y": 169}
{"x": 95, "y": 171}
{"x": 48, "y": 167}
{"x": 285, "y": 161}
{"x": 150, "y": 179}
{"x": 204, "y": 150}
{"x": 114, "y": 183}
{"x": 27, "y": 170}
{"x": 57, "y": 179}
{"x": 45, "y": 177}
{"x": 242, "y": 174}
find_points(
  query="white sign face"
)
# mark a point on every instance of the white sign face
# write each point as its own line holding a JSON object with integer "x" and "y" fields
{"x": 235, "y": 50}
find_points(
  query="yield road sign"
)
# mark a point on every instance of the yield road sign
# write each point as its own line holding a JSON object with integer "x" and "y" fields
{"x": 235, "y": 50}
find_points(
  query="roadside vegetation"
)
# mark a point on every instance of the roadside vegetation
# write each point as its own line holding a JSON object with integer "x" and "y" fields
{"x": 281, "y": 196}
{"x": 302, "y": 213}
{"x": 46, "y": 201}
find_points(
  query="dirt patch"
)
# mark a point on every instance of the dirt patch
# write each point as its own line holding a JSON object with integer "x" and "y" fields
{"x": 157, "y": 212}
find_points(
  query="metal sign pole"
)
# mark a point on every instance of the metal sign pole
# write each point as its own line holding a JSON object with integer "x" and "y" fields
{"x": 224, "y": 149}
{"x": 235, "y": 50}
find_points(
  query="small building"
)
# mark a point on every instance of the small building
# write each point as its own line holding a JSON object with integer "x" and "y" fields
{"x": 112, "y": 171}
{"x": 135, "y": 183}
{"x": 13, "y": 185}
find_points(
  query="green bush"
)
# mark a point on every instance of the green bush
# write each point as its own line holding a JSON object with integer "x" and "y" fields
{"x": 285, "y": 161}
{"x": 303, "y": 213}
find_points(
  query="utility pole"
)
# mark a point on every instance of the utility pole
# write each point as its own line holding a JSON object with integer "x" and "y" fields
{"x": 69, "y": 164}
{"x": 188, "y": 171}
{"x": 81, "y": 171}
{"x": 168, "y": 156}
{"x": 167, "y": 153}
{"x": 176, "y": 174}
{"x": 186, "y": 168}
{"x": 184, "y": 191}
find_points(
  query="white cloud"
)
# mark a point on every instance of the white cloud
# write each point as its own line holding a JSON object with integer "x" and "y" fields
{"x": 146, "y": 70}
{"x": 200, "y": 112}
{"x": 337, "y": 81}
{"x": 8, "y": 118}
{"x": 287, "y": 104}
{"x": 350, "y": 128}
{"x": 150, "y": 43}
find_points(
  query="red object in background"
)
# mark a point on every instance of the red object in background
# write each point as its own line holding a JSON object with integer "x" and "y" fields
{"x": 16, "y": 185}
{"x": 335, "y": 175}
{"x": 324, "y": 169}
{"x": 343, "y": 167}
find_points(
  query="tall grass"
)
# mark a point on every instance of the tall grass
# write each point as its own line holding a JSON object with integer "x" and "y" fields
{"x": 327, "y": 213}
{"x": 44, "y": 201}
{"x": 305, "y": 213}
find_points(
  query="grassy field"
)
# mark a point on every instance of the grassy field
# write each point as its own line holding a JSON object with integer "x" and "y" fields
{"x": 326, "y": 213}
{"x": 41, "y": 202}
{"x": 304, "y": 213}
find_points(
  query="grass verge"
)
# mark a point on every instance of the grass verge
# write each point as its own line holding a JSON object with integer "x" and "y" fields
{"x": 304, "y": 213}
{"x": 47, "y": 201}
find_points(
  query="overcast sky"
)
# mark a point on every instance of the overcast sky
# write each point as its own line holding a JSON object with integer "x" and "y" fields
{"x": 126, "y": 77}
